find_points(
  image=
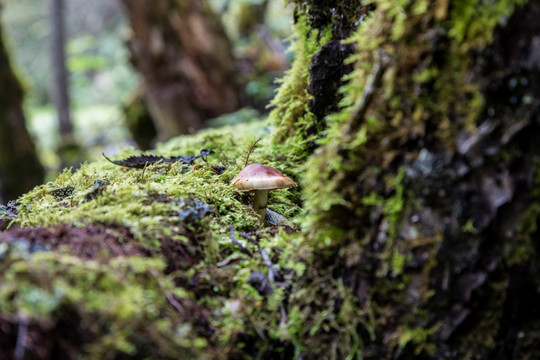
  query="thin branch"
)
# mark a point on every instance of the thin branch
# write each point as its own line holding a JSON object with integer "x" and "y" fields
{"x": 269, "y": 265}
{"x": 176, "y": 304}
{"x": 237, "y": 243}
{"x": 264, "y": 255}
{"x": 143, "y": 171}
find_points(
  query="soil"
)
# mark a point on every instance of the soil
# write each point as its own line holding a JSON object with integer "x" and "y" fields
{"x": 92, "y": 242}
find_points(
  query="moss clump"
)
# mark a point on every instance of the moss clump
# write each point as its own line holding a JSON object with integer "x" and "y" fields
{"x": 105, "y": 309}
{"x": 291, "y": 114}
{"x": 189, "y": 289}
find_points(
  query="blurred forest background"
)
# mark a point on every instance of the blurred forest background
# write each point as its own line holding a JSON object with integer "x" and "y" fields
{"x": 119, "y": 72}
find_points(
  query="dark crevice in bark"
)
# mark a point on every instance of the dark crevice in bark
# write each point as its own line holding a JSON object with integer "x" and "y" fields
{"x": 328, "y": 64}
{"x": 326, "y": 72}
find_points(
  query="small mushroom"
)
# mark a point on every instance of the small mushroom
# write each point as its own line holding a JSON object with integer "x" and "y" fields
{"x": 260, "y": 179}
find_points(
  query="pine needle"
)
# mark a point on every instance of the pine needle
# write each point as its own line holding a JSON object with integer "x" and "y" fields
{"x": 250, "y": 149}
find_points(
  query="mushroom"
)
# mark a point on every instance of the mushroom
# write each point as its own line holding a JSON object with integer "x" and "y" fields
{"x": 260, "y": 179}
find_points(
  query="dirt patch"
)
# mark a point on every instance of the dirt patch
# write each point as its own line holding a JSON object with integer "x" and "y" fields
{"x": 92, "y": 242}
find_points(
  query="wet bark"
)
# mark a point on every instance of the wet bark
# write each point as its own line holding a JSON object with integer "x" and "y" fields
{"x": 20, "y": 169}
{"x": 185, "y": 59}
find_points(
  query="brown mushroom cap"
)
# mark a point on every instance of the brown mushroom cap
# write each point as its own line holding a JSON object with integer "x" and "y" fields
{"x": 260, "y": 177}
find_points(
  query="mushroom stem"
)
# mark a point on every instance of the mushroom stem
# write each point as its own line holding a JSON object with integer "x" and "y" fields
{"x": 259, "y": 203}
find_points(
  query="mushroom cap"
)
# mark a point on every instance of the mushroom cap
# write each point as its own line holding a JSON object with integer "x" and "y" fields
{"x": 260, "y": 177}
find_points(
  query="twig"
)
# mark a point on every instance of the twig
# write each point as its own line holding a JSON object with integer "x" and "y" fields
{"x": 269, "y": 265}
{"x": 143, "y": 170}
{"x": 237, "y": 243}
{"x": 359, "y": 112}
{"x": 170, "y": 297}
{"x": 176, "y": 304}
{"x": 264, "y": 255}
{"x": 22, "y": 336}
{"x": 248, "y": 237}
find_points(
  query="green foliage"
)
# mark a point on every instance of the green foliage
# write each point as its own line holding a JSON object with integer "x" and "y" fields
{"x": 97, "y": 57}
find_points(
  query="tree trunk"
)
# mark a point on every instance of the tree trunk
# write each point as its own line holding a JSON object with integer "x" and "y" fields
{"x": 318, "y": 69}
{"x": 185, "y": 59}
{"x": 60, "y": 74}
{"x": 20, "y": 169}
{"x": 424, "y": 201}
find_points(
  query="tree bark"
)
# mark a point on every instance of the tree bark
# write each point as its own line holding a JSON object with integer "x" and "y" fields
{"x": 424, "y": 201}
{"x": 20, "y": 168}
{"x": 185, "y": 59}
{"x": 319, "y": 68}
{"x": 139, "y": 120}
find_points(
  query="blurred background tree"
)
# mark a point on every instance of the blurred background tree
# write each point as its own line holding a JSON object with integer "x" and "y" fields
{"x": 185, "y": 58}
{"x": 188, "y": 64}
{"x": 20, "y": 168}
{"x": 99, "y": 73}
{"x": 68, "y": 149}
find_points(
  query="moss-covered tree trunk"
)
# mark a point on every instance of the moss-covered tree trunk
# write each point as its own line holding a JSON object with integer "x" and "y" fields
{"x": 186, "y": 62}
{"x": 20, "y": 169}
{"x": 311, "y": 89}
{"x": 424, "y": 200}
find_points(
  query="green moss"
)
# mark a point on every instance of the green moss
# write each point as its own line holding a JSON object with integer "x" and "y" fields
{"x": 127, "y": 200}
{"x": 395, "y": 117}
{"x": 346, "y": 273}
{"x": 290, "y": 112}
{"x": 126, "y": 298}
{"x": 352, "y": 182}
{"x": 418, "y": 338}
{"x": 127, "y": 292}
{"x": 468, "y": 227}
